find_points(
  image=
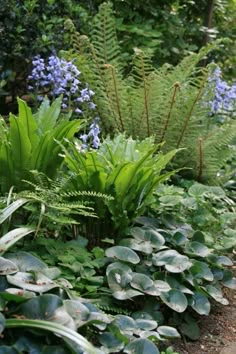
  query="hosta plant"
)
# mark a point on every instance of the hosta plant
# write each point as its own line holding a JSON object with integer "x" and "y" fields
{"x": 168, "y": 268}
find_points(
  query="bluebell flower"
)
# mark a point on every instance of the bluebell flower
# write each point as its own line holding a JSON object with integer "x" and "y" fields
{"x": 60, "y": 77}
{"x": 92, "y": 138}
{"x": 224, "y": 95}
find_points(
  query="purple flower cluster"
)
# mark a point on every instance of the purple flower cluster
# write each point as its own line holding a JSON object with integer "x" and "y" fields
{"x": 92, "y": 137}
{"x": 60, "y": 77}
{"x": 224, "y": 95}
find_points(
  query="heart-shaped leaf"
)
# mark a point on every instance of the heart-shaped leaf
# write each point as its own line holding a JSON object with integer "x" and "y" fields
{"x": 141, "y": 346}
{"x": 123, "y": 254}
{"x": 141, "y": 281}
{"x": 168, "y": 332}
{"x": 175, "y": 299}
{"x": 200, "y": 304}
{"x": 201, "y": 270}
{"x": 198, "y": 249}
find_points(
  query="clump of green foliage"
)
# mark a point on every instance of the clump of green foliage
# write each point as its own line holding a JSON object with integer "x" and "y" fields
{"x": 169, "y": 102}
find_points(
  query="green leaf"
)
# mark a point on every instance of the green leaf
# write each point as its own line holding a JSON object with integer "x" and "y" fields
{"x": 38, "y": 283}
{"x": 172, "y": 260}
{"x": 216, "y": 294}
{"x": 7, "y": 267}
{"x": 198, "y": 249}
{"x": 126, "y": 294}
{"x": 75, "y": 339}
{"x": 145, "y": 324}
{"x": 12, "y": 237}
{"x": 2, "y": 323}
{"x": 175, "y": 299}
{"x": 201, "y": 270}
{"x": 123, "y": 253}
{"x": 228, "y": 280}
{"x": 141, "y": 281}
{"x": 168, "y": 332}
{"x": 178, "y": 264}
{"x": 9, "y": 210}
{"x": 190, "y": 328}
{"x": 200, "y": 304}
{"x": 141, "y": 346}
{"x": 26, "y": 261}
{"x": 149, "y": 236}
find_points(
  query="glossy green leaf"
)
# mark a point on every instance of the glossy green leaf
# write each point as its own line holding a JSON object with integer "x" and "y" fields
{"x": 26, "y": 261}
{"x": 7, "y": 267}
{"x": 200, "y": 304}
{"x": 216, "y": 294}
{"x": 141, "y": 281}
{"x": 198, "y": 249}
{"x": 123, "y": 254}
{"x": 228, "y": 280}
{"x": 38, "y": 283}
{"x": 168, "y": 332}
{"x": 201, "y": 270}
{"x": 175, "y": 299}
{"x": 141, "y": 346}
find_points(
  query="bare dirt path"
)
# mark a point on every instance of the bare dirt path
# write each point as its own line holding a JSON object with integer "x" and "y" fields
{"x": 218, "y": 331}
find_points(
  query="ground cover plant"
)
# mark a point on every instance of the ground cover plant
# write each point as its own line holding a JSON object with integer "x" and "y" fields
{"x": 117, "y": 233}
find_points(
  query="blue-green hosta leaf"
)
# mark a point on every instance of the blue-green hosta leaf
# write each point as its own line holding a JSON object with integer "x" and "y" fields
{"x": 123, "y": 254}
{"x": 223, "y": 260}
{"x": 141, "y": 246}
{"x": 78, "y": 311}
{"x": 26, "y": 261}
{"x": 168, "y": 332}
{"x": 146, "y": 325}
{"x": 216, "y": 294}
{"x": 152, "y": 335}
{"x": 141, "y": 346}
{"x": 25, "y": 294}
{"x": 189, "y": 327}
{"x": 164, "y": 257}
{"x": 201, "y": 270}
{"x": 141, "y": 281}
{"x": 228, "y": 280}
{"x": 178, "y": 264}
{"x": 175, "y": 299}
{"x": 28, "y": 281}
{"x": 157, "y": 288}
{"x": 125, "y": 323}
{"x": 7, "y": 267}
{"x": 198, "y": 249}
{"x": 176, "y": 285}
{"x": 149, "y": 236}
{"x": 172, "y": 260}
{"x": 118, "y": 279}
{"x": 200, "y": 304}
{"x": 41, "y": 307}
{"x": 126, "y": 294}
{"x": 111, "y": 342}
{"x": 12, "y": 237}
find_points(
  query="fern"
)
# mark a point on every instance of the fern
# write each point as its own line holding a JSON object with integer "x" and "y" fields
{"x": 164, "y": 102}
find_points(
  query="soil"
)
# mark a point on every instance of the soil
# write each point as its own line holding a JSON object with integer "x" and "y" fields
{"x": 217, "y": 330}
